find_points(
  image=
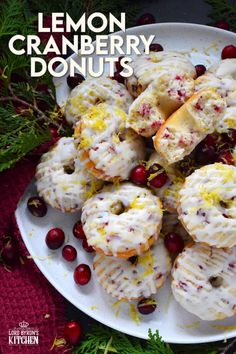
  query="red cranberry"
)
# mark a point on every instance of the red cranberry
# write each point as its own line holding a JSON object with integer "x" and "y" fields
{"x": 155, "y": 47}
{"x": 73, "y": 81}
{"x": 37, "y": 206}
{"x": 54, "y": 134}
{"x": 78, "y": 231}
{"x": 146, "y": 306}
{"x": 228, "y": 52}
{"x": 223, "y": 25}
{"x": 200, "y": 69}
{"x": 86, "y": 246}
{"x": 119, "y": 67}
{"x": 117, "y": 76}
{"x": 146, "y": 19}
{"x": 174, "y": 242}
{"x": 10, "y": 253}
{"x": 204, "y": 154}
{"x": 42, "y": 88}
{"x": 226, "y": 157}
{"x": 159, "y": 180}
{"x": 72, "y": 332}
{"x": 69, "y": 253}
{"x": 55, "y": 238}
{"x": 42, "y": 105}
{"x": 139, "y": 175}
{"x": 82, "y": 274}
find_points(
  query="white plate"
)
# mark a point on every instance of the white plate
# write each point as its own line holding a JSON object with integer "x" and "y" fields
{"x": 174, "y": 323}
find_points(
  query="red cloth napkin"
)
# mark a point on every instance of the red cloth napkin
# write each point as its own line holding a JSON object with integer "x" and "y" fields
{"x": 25, "y": 295}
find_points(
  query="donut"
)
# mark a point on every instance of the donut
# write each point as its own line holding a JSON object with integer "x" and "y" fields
{"x": 225, "y": 68}
{"x": 92, "y": 92}
{"x": 169, "y": 192}
{"x": 189, "y": 125}
{"x": 148, "y": 67}
{"x": 135, "y": 278}
{"x": 207, "y": 205}
{"x": 122, "y": 220}
{"x": 155, "y": 104}
{"x": 107, "y": 148}
{"x": 204, "y": 281}
{"x": 62, "y": 180}
{"x": 226, "y": 87}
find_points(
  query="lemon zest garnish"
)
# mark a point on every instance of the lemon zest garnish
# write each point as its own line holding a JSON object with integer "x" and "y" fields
{"x": 222, "y": 327}
{"x": 190, "y": 326}
{"x": 58, "y": 343}
{"x": 134, "y": 314}
{"x": 94, "y": 307}
{"x": 136, "y": 204}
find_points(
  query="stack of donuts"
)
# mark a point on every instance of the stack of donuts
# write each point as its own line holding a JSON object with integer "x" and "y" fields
{"x": 178, "y": 129}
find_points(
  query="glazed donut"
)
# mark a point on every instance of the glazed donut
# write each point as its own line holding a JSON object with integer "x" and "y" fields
{"x": 169, "y": 192}
{"x": 204, "y": 281}
{"x": 108, "y": 150}
{"x": 226, "y": 87}
{"x": 135, "y": 278}
{"x": 190, "y": 124}
{"x": 122, "y": 220}
{"x": 148, "y": 67}
{"x": 207, "y": 205}
{"x": 155, "y": 104}
{"x": 225, "y": 68}
{"x": 92, "y": 92}
{"x": 62, "y": 180}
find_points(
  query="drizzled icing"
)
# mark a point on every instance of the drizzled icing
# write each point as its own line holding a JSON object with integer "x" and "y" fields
{"x": 122, "y": 218}
{"x": 149, "y": 67}
{"x": 126, "y": 280}
{"x": 63, "y": 190}
{"x": 207, "y": 205}
{"x": 204, "y": 281}
{"x": 222, "y": 77}
{"x": 112, "y": 149}
{"x": 92, "y": 92}
{"x": 161, "y": 98}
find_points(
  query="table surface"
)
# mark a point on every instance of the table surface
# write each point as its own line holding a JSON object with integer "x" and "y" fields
{"x": 164, "y": 11}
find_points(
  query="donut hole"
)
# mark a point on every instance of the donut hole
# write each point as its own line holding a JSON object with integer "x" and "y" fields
{"x": 117, "y": 208}
{"x": 216, "y": 281}
{"x": 69, "y": 169}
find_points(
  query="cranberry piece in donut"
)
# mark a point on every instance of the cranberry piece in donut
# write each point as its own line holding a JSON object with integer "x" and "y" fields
{"x": 226, "y": 157}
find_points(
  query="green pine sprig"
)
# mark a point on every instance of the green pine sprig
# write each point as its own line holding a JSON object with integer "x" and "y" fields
{"x": 104, "y": 340}
{"x": 223, "y": 10}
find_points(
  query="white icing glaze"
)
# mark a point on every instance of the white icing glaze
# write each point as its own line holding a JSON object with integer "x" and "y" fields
{"x": 207, "y": 205}
{"x": 92, "y": 92}
{"x": 139, "y": 220}
{"x": 225, "y": 68}
{"x": 192, "y": 283}
{"x": 112, "y": 148}
{"x": 61, "y": 190}
{"x": 148, "y": 67}
{"x": 124, "y": 280}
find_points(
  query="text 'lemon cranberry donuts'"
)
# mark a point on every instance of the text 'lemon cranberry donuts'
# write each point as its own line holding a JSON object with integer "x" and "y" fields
{"x": 91, "y": 92}
{"x": 149, "y": 67}
{"x": 155, "y": 104}
{"x": 107, "y": 148}
{"x": 189, "y": 125}
{"x": 204, "y": 281}
{"x": 135, "y": 278}
{"x": 207, "y": 205}
{"x": 61, "y": 178}
{"x": 123, "y": 220}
